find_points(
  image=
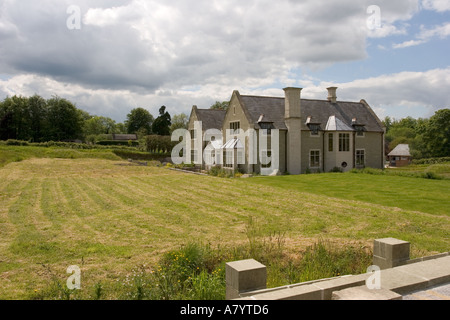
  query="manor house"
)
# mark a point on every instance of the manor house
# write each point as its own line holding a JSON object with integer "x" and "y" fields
{"x": 305, "y": 135}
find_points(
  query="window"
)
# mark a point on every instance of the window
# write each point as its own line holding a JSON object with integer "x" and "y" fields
{"x": 344, "y": 142}
{"x": 360, "y": 158}
{"x": 266, "y": 158}
{"x": 315, "y": 128}
{"x": 194, "y": 157}
{"x": 235, "y": 125}
{"x": 193, "y": 134}
{"x": 266, "y": 128}
{"x": 330, "y": 142}
{"x": 228, "y": 156}
{"x": 314, "y": 159}
{"x": 359, "y": 131}
{"x": 240, "y": 156}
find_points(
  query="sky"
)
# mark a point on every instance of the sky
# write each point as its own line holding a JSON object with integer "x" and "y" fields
{"x": 109, "y": 57}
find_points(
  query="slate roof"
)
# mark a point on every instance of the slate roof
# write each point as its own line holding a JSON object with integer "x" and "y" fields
{"x": 335, "y": 124}
{"x": 320, "y": 112}
{"x": 210, "y": 118}
{"x": 400, "y": 150}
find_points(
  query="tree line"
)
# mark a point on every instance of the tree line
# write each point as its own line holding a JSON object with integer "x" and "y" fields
{"x": 428, "y": 138}
{"x": 36, "y": 119}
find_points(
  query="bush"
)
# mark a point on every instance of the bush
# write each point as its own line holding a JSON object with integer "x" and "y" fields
{"x": 12, "y": 142}
{"x": 159, "y": 144}
{"x": 431, "y": 160}
{"x": 221, "y": 172}
{"x": 118, "y": 143}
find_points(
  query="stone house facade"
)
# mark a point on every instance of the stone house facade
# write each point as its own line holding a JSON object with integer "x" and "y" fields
{"x": 291, "y": 135}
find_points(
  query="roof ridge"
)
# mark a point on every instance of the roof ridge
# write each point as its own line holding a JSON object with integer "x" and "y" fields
{"x": 321, "y": 100}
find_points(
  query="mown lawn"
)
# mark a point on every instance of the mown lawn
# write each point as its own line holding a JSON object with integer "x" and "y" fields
{"x": 417, "y": 194}
{"x": 110, "y": 217}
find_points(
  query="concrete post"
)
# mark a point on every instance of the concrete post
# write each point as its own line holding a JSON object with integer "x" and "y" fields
{"x": 390, "y": 253}
{"x": 243, "y": 276}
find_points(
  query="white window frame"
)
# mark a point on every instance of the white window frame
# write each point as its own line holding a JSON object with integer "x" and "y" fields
{"x": 320, "y": 158}
{"x": 364, "y": 157}
{"x": 331, "y": 135}
{"x": 343, "y": 137}
{"x": 228, "y": 155}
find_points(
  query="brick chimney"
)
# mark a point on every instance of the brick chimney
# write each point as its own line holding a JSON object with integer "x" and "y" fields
{"x": 332, "y": 94}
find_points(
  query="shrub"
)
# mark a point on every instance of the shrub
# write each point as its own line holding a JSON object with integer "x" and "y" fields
{"x": 431, "y": 160}
{"x": 12, "y": 142}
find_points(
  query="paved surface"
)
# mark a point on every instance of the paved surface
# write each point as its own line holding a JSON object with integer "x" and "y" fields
{"x": 436, "y": 293}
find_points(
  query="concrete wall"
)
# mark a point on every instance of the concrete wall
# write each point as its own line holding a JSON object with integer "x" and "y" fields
{"x": 373, "y": 144}
{"x": 392, "y": 275}
{"x": 311, "y": 143}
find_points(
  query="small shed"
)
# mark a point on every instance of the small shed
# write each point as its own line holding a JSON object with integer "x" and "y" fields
{"x": 400, "y": 156}
{"x": 124, "y": 137}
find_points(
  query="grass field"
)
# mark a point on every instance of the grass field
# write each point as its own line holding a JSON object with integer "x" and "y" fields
{"x": 99, "y": 212}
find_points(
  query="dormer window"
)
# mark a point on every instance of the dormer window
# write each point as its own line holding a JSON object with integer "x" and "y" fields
{"x": 359, "y": 128}
{"x": 315, "y": 128}
{"x": 266, "y": 127}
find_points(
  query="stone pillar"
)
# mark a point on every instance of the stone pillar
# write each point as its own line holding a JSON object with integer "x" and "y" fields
{"x": 390, "y": 253}
{"x": 244, "y": 276}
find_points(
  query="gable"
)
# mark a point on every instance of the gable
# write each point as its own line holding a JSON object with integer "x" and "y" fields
{"x": 210, "y": 118}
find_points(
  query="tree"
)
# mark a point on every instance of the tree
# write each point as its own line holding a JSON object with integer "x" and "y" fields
{"x": 16, "y": 120}
{"x": 436, "y": 134}
{"x": 161, "y": 125}
{"x": 139, "y": 119}
{"x": 220, "y": 105}
{"x": 64, "y": 121}
{"x": 99, "y": 125}
{"x": 179, "y": 121}
{"x": 387, "y": 122}
{"x": 38, "y": 115}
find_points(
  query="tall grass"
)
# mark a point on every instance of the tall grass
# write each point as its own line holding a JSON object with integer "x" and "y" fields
{"x": 196, "y": 271}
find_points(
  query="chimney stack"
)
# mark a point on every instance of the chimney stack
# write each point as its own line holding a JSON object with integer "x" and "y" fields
{"x": 292, "y": 102}
{"x": 332, "y": 94}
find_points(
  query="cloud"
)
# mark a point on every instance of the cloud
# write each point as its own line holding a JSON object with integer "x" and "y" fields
{"x": 390, "y": 92}
{"x": 143, "y": 46}
{"x": 425, "y": 35}
{"x": 436, "y": 5}
{"x": 179, "y": 52}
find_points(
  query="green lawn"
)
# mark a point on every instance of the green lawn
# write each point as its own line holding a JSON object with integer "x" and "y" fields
{"x": 10, "y": 154}
{"x": 110, "y": 217}
{"x": 417, "y": 194}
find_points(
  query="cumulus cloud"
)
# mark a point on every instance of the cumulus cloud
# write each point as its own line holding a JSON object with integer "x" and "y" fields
{"x": 145, "y": 45}
{"x": 179, "y": 52}
{"x": 436, "y": 5}
{"x": 389, "y": 92}
{"x": 425, "y": 35}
